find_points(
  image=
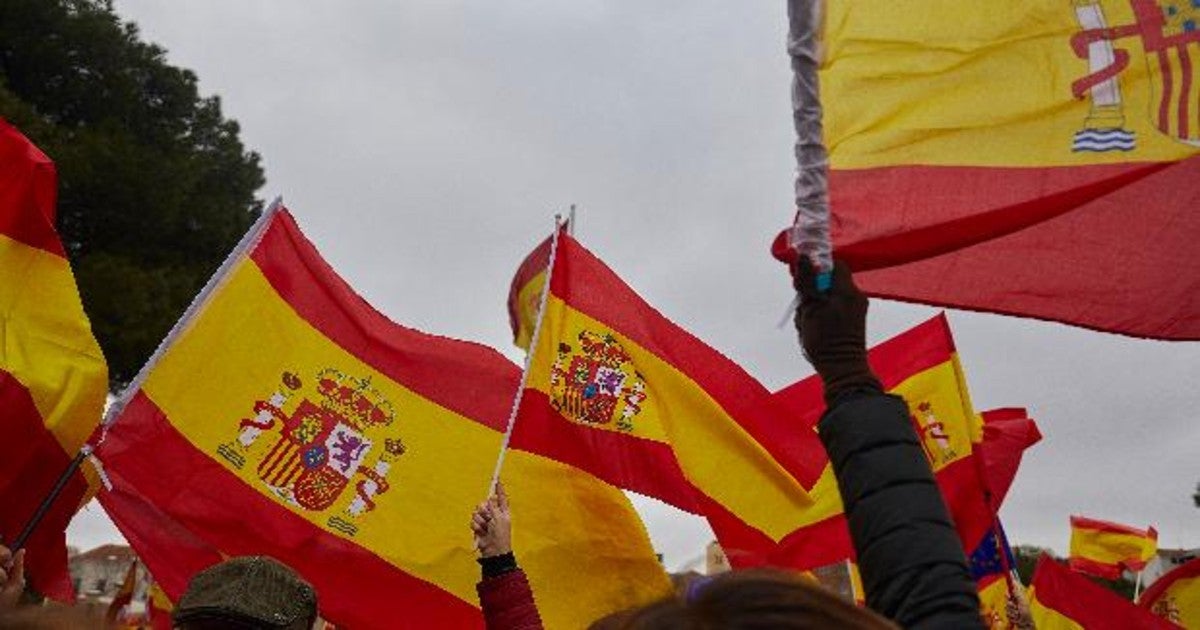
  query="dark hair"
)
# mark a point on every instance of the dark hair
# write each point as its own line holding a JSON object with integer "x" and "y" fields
{"x": 748, "y": 600}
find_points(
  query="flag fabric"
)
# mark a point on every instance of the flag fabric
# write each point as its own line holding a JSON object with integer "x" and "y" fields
{"x": 53, "y": 378}
{"x": 1105, "y": 549}
{"x": 994, "y": 596}
{"x": 1029, "y": 158}
{"x": 1176, "y": 595}
{"x": 618, "y": 390}
{"x": 123, "y": 597}
{"x": 1060, "y": 599}
{"x": 922, "y": 366}
{"x": 525, "y": 292}
{"x": 286, "y": 417}
{"x": 993, "y": 555}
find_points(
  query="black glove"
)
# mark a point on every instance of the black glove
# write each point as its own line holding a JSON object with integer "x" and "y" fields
{"x": 833, "y": 330}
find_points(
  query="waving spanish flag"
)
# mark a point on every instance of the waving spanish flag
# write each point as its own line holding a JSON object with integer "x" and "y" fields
{"x": 616, "y": 389}
{"x": 1176, "y": 595}
{"x": 525, "y": 292}
{"x": 1105, "y": 549}
{"x": 1060, "y": 599}
{"x": 53, "y": 377}
{"x": 1023, "y": 157}
{"x": 921, "y": 365}
{"x": 286, "y": 417}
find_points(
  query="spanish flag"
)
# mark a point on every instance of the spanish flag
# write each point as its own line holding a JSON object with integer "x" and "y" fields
{"x": 1023, "y": 157}
{"x": 53, "y": 378}
{"x": 618, "y": 390}
{"x": 921, "y": 365}
{"x": 284, "y": 416}
{"x": 1105, "y": 549}
{"x": 994, "y": 596}
{"x": 1060, "y": 599}
{"x": 525, "y": 292}
{"x": 1176, "y": 595}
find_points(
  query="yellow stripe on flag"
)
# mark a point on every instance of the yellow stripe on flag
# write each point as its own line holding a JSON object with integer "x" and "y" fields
{"x": 528, "y": 300}
{"x": 950, "y": 83}
{"x": 942, "y": 409}
{"x": 715, "y": 453}
{"x": 48, "y": 342}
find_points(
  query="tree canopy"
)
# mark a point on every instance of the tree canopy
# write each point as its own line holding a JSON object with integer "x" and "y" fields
{"x": 155, "y": 187}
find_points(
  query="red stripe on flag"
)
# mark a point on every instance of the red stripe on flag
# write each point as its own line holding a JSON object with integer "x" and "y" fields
{"x": 1164, "y": 104}
{"x": 196, "y": 494}
{"x": 948, "y": 217}
{"x": 457, "y": 375}
{"x": 816, "y": 545}
{"x": 1093, "y": 567}
{"x": 31, "y": 463}
{"x": 1083, "y": 522}
{"x": 28, "y": 190}
{"x": 632, "y": 463}
{"x": 1087, "y": 603}
{"x": 1034, "y": 264}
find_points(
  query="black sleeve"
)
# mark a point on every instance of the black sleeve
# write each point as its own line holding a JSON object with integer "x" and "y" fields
{"x": 495, "y": 566}
{"x": 913, "y": 567}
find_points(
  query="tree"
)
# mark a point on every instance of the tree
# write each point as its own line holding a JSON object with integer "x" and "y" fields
{"x": 1196, "y": 497}
{"x": 155, "y": 186}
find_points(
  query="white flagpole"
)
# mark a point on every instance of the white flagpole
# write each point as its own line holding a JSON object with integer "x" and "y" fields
{"x": 533, "y": 344}
{"x": 809, "y": 234}
{"x": 86, "y": 452}
{"x": 1137, "y": 587}
{"x": 248, "y": 242}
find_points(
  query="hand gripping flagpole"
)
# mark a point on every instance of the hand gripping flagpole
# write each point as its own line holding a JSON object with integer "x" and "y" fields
{"x": 86, "y": 452}
{"x": 809, "y": 234}
{"x": 533, "y": 345}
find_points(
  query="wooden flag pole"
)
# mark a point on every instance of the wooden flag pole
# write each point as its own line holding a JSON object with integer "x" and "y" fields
{"x": 533, "y": 344}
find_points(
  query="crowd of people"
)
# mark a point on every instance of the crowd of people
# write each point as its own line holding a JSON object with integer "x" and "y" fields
{"x": 913, "y": 568}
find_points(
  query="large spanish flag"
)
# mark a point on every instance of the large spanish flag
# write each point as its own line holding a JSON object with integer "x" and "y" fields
{"x": 1105, "y": 549}
{"x": 53, "y": 378}
{"x": 1176, "y": 595}
{"x": 1028, "y": 157}
{"x": 617, "y": 389}
{"x": 1060, "y": 599}
{"x": 286, "y": 417}
{"x": 921, "y": 365}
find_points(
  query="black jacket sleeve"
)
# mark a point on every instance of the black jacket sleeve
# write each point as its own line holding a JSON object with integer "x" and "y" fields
{"x": 913, "y": 568}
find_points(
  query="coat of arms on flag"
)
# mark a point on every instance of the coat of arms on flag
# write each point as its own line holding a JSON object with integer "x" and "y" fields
{"x": 329, "y": 434}
{"x": 594, "y": 382}
{"x": 1169, "y": 31}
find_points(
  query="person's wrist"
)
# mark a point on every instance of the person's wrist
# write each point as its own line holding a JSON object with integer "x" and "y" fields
{"x": 497, "y": 565}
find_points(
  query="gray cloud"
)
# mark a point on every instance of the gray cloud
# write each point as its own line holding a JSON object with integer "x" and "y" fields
{"x": 425, "y": 145}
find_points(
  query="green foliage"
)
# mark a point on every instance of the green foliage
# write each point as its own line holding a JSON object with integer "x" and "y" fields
{"x": 155, "y": 187}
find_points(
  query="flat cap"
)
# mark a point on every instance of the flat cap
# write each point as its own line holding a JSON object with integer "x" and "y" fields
{"x": 249, "y": 591}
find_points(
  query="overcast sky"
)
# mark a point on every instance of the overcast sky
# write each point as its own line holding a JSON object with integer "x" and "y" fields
{"x": 424, "y": 146}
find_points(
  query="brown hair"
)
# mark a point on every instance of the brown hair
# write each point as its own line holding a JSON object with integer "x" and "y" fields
{"x": 747, "y": 600}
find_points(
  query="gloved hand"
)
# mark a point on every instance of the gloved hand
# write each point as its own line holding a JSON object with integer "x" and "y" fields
{"x": 833, "y": 330}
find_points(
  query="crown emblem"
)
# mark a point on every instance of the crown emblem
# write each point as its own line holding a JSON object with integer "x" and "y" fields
{"x": 594, "y": 382}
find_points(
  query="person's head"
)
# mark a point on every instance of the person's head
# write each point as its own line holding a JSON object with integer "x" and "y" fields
{"x": 252, "y": 592}
{"x": 747, "y": 600}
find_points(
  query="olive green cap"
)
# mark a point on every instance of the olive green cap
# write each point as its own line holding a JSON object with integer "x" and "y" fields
{"x": 250, "y": 591}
